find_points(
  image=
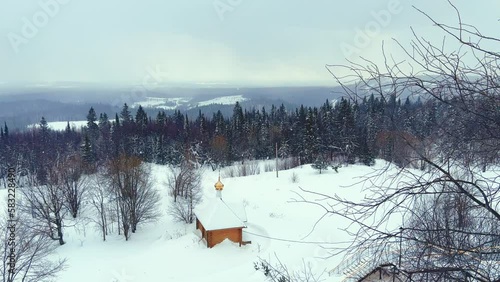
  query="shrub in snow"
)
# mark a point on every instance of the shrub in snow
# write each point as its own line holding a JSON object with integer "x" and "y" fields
{"x": 136, "y": 198}
{"x": 245, "y": 169}
{"x": 185, "y": 188}
{"x": 320, "y": 164}
{"x": 248, "y": 168}
{"x": 280, "y": 273}
{"x": 288, "y": 163}
{"x": 269, "y": 167}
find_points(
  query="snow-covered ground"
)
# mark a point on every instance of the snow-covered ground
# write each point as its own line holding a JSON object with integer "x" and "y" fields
{"x": 174, "y": 103}
{"x": 172, "y": 251}
{"x": 226, "y": 100}
{"x": 61, "y": 125}
{"x": 162, "y": 103}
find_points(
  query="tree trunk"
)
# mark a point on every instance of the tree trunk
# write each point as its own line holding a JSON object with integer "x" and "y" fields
{"x": 125, "y": 231}
{"x": 103, "y": 222}
{"x": 118, "y": 217}
{"x": 59, "y": 231}
{"x": 133, "y": 222}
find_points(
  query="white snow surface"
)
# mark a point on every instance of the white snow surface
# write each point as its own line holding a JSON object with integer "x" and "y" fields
{"x": 171, "y": 251}
{"x": 217, "y": 214}
{"x": 162, "y": 103}
{"x": 61, "y": 125}
{"x": 226, "y": 100}
{"x": 174, "y": 103}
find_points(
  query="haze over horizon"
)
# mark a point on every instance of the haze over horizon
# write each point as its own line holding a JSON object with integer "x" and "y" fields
{"x": 223, "y": 41}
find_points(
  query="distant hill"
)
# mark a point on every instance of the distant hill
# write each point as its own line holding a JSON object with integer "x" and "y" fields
{"x": 23, "y": 106}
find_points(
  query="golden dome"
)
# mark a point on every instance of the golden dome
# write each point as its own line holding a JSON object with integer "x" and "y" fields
{"x": 219, "y": 186}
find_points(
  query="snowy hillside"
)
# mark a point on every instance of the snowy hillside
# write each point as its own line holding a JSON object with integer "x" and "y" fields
{"x": 227, "y": 100}
{"x": 171, "y": 251}
{"x": 162, "y": 103}
{"x": 186, "y": 102}
{"x": 61, "y": 125}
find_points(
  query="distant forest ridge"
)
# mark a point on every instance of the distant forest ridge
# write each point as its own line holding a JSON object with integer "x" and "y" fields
{"x": 347, "y": 131}
{"x": 23, "y": 107}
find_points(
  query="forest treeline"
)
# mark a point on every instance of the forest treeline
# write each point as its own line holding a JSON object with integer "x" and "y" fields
{"x": 345, "y": 131}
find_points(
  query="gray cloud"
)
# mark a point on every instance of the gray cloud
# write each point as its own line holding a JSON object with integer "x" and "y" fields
{"x": 257, "y": 41}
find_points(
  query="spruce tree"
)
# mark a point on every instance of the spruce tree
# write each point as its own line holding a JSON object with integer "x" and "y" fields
{"x": 88, "y": 156}
{"x": 161, "y": 118}
{"x": 141, "y": 118}
{"x": 67, "y": 130}
{"x": 321, "y": 163}
{"x": 91, "y": 118}
{"x": 92, "y": 127}
{"x": 5, "y": 131}
{"x": 125, "y": 115}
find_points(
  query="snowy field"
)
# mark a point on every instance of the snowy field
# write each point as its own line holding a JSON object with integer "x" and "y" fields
{"x": 161, "y": 103}
{"x": 174, "y": 103}
{"x": 226, "y": 100}
{"x": 61, "y": 125}
{"x": 171, "y": 251}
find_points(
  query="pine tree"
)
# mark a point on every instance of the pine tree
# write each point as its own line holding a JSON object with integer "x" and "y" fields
{"x": 117, "y": 120}
{"x": 67, "y": 130}
{"x": 116, "y": 137}
{"x": 44, "y": 130}
{"x": 366, "y": 156}
{"x": 91, "y": 118}
{"x": 311, "y": 136}
{"x": 125, "y": 115}
{"x": 327, "y": 129}
{"x": 5, "y": 131}
{"x": 43, "y": 124}
{"x": 298, "y": 141}
{"x": 104, "y": 140}
{"x": 92, "y": 127}
{"x": 88, "y": 155}
{"x": 141, "y": 118}
{"x": 320, "y": 163}
{"x": 161, "y": 118}
{"x": 347, "y": 126}
{"x": 220, "y": 125}
{"x": 103, "y": 121}
{"x": 237, "y": 138}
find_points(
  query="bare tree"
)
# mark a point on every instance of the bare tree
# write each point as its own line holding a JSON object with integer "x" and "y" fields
{"x": 185, "y": 187}
{"x": 74, "y": 182}
{"x": 452, "y": 207}
{"x": 182, "y": 180}
{"x": 32, "y": 251}
{"x": 132, "y": 185}
{"x": 100, "y": 197}
{"x": 448, "y": 231}
{"x": 46, "y": 203}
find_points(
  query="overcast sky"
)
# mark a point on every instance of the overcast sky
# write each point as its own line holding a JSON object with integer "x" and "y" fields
{"x": 234, "y": 41}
